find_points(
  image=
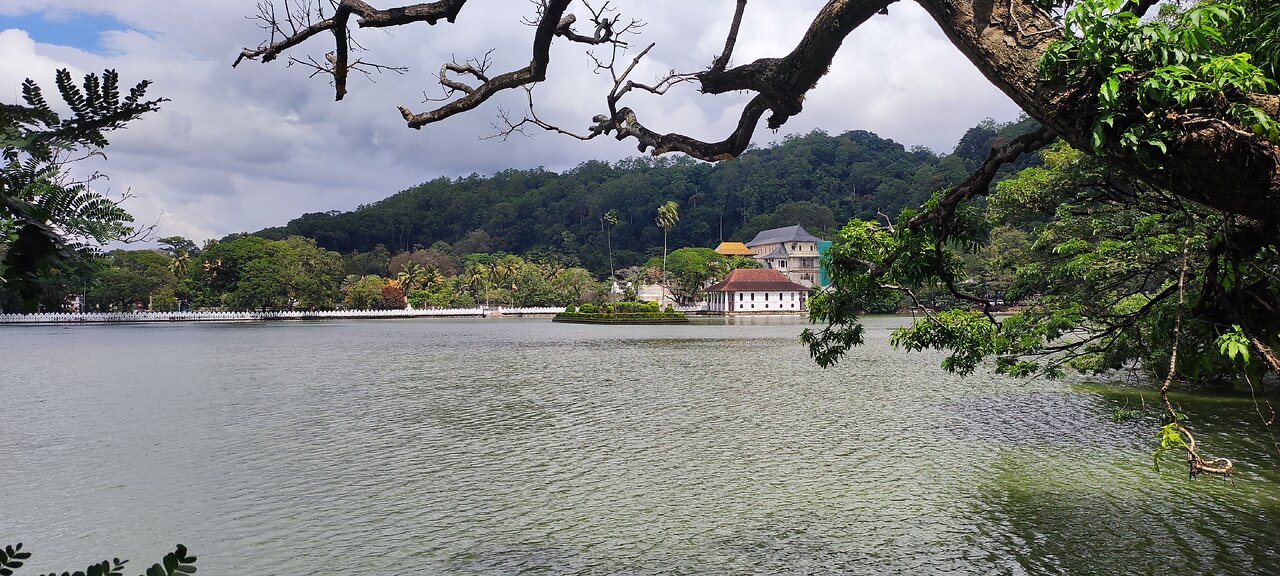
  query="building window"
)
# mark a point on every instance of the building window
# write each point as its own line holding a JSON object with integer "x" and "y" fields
{"x": 793, "y": 295}
{"x": 753, "y": 299}
{"x": 739, "y": 296}
{"x": 766, "y": 296}
{"x": 782, "y": 263}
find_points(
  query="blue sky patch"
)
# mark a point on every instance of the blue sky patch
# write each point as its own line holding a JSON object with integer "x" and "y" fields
{"x": 79, "y": 29}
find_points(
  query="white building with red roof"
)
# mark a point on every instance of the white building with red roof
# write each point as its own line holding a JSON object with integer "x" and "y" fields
{"x": 756, "y": 291}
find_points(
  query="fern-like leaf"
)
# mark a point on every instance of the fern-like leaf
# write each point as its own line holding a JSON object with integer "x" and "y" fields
{"x": 11, "y": 558}
{"x": 176, "y": 562}
{"x": 71, "y": 94}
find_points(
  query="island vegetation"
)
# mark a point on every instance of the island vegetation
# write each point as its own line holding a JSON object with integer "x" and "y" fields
{"x": 623, "y": 312}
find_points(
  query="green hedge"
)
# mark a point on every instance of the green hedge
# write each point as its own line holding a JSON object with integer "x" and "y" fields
{"x": 645, "y": 317}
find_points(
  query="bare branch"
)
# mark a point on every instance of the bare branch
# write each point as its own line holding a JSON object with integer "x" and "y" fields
{"x": 627, "y": 124}
{"x": 722, "y": 60}
{"x": 531, "y": 118}
{"x": 535, "y": 72}
{"x": 785, "y": 81}
{"x": 306, "y": 19}
{"x": 474, "y": 67}
{"x": 979, "y": 182}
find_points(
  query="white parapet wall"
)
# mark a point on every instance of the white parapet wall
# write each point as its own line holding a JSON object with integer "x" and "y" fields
{"x": 157, "y": 317}
{"x": 136, "y": 317}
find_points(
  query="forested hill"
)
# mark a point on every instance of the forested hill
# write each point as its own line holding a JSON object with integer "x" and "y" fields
{"x": 817, "y": 180}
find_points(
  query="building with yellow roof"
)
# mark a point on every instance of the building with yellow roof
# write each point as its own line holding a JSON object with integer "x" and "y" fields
{"x": 734, "y": 249}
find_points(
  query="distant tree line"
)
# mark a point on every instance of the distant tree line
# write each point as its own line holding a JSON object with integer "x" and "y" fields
{"x": 597, "y": 209}
{"x": 521, "y": 238}
{"x": 245, "y": 272}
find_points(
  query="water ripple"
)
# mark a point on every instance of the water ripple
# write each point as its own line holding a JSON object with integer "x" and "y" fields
{"x": 526, "y": 447}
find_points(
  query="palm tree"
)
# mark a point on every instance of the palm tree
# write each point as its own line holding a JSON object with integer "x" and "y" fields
{"x": 180, "y": 264}
{"x": 477, "y": 277}
{"x": 412, "y": 276}
{"x": 431, "y": 277}
{"x": 610, "y": 219}
{"x": 348, "y": 282}
{"x": 668, "y": 215}
{"x": 505, "y": 271}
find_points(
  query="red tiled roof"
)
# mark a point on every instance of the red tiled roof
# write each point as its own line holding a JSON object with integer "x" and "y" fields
{"x": 758, "y": 280}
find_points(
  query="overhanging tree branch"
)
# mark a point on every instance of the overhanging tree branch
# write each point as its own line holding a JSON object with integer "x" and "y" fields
{"x": 1211, "y": 161}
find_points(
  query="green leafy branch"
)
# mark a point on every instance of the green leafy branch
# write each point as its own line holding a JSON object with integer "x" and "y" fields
{"x": 44, "y": 217}
{"x": 1234, "y": 345}
{"x": 173, "y": 563}
{"x": 1169, "y": 439}
{"x": 11, "y": 558}
{"x": 1159, "y": 76}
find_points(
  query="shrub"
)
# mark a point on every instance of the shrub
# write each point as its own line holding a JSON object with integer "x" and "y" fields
{"x": 392, "y": 298}
{"x": 651, "y": 307}
{"x": 670, "y": 310}
{"x": 587, "y": 308}
{"x": 570, "y": 309}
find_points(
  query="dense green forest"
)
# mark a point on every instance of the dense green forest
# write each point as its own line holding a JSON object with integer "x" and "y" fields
{"x": 817, "y": 180}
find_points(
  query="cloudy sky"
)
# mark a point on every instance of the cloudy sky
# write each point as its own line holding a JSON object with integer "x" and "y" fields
{"x": 246, "y": 148}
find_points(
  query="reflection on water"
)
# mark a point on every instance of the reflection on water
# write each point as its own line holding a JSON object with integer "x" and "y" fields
{"x": 474, "y": 447}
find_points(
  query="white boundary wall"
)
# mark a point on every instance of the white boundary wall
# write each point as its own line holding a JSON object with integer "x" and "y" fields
{"x": 99, "y": 318}
{"x": 146, "y": 317}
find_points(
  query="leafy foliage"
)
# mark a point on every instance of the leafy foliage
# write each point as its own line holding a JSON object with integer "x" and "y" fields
{"x": 391, "y": 298}
{"x": 622, "y": 312}
{"x": 250, "y": 272}
{"x": 11, "y": 558}
{"x": 1168, "y": 438}
{"x": 689, "y": 270}
{"x": 176, "y": 562}
{"x": 1153, "y": 77}
{"x": 47, "y": 219}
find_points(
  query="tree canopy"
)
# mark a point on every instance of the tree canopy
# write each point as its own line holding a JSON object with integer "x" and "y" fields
{"x": 47, "y": 215}
{"x": 817, "y": 180}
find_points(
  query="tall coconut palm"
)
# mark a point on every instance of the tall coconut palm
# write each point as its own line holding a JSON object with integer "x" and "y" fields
{"x": 412, "y": 276}
{"x": 431, "y": 277}
{"x": 180, "y": 264}
{"x": 610, "y": 220}
{"x": 668, "y": 215}
{"x": 505, "y": 271}
{"x": 477, "y": 277}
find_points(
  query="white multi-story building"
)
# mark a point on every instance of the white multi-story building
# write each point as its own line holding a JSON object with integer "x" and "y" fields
{"x": 791, "y": 250}
{"x": 756, "y": 291}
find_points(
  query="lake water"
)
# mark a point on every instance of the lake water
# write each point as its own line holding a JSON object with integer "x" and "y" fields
{"x": 523, "y": 446}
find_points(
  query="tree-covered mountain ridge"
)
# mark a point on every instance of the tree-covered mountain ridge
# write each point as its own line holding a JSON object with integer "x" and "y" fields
{"x": 817, "y": 180}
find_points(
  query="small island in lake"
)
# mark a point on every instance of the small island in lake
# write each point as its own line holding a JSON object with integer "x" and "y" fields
{"x": 621, "y": 313}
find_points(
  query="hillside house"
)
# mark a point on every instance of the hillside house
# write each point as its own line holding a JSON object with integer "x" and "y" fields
{"x": 791, "y": 250}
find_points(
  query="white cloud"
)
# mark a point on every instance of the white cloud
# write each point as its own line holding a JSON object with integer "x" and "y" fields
{"x": 252, "y": 147}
